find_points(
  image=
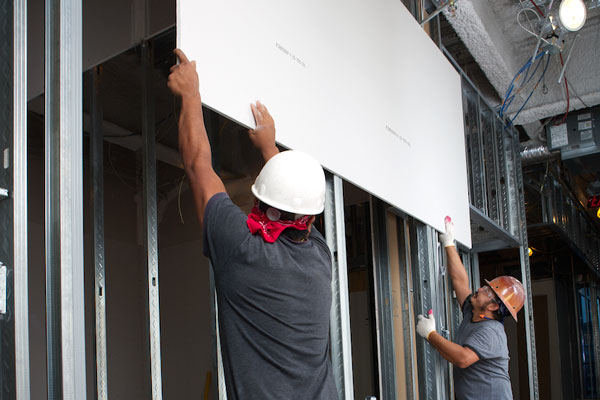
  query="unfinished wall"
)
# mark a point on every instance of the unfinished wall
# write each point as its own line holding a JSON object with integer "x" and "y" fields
{"x": 184, "y": 302}
{"x": 545, "y": 287}
{"x": 124, "y": 302}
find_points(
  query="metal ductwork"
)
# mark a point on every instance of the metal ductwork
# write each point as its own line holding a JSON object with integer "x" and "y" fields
{"x": 535, "y": 152}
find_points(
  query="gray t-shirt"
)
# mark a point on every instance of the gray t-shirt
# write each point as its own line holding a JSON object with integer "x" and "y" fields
{"x": 274, "y": 303}
{"x": 487, "y": 378}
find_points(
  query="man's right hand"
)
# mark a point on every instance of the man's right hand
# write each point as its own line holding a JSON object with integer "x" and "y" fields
{"x": 447, "y": 238}
{"x": 263, "y": 136}
{"x": 426, "y": 325}
{"x": 183, "y": 80}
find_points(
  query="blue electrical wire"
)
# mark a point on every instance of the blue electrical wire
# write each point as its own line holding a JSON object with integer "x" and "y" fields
{"x": 507, "y": 97}
{"x": 532, "y": 90}
{"x": 510, "y": 99}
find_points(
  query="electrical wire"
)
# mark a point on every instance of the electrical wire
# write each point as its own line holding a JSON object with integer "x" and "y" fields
{"x": 527, "y": 30}
{"x": 567, "y": 89}
{"x": 576, "y": 95}
{"x": 537, "y": 8}
{"x": 532, "y": 90}
{"x": 110, "y": 161}
{"x": 508, "y": 98}
{"x": 179, "y": 199}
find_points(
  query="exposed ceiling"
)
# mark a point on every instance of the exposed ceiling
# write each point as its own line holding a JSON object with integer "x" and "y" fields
{"x": 501, "y": 46}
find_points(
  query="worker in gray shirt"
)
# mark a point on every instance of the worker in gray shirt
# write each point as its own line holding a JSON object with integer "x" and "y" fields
{"x": 272, "y": 268}
{"x": 480, "y": 351}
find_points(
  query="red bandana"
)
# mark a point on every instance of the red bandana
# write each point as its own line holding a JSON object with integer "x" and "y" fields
{"x": 270, "y": 230}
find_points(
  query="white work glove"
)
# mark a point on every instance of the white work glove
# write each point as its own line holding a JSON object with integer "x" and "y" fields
{"x": 447, "y": 238}
{"x": 426, "y": 325}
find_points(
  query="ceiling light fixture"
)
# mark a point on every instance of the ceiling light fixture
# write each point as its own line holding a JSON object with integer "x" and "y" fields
{"x": 572, "y": 14}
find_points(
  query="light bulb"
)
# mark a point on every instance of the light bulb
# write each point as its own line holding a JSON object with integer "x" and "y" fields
{"x": 598, "y": 213}
{"x": 529, "y": 251}
{"x": 572, "y": 14}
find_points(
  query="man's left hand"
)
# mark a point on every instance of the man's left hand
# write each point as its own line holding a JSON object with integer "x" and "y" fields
{"x": 263, "y": 136}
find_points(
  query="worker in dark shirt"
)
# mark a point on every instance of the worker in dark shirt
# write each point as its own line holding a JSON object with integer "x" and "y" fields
{"x": 272, "y": 268}
{"x": 480, "y": 351}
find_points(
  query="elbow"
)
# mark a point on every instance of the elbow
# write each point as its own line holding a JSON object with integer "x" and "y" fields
{"x": 194, "y": 164}
{"x": 464, "y": 362}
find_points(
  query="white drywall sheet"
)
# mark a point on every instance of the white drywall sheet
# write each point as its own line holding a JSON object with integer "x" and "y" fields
{"x": 355, "y": 83}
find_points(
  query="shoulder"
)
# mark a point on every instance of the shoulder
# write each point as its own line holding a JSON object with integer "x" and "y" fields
{"x": 466, "y": 306}
{"x": 320, "y": 241}
{"x": 224, "y": 227}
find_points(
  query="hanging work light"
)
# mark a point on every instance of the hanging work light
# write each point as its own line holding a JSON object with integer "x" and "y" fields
{"x": 572, "y": 14}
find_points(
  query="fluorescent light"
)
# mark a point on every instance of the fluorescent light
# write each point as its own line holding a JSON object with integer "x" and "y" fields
{"x": 572, "y": 14}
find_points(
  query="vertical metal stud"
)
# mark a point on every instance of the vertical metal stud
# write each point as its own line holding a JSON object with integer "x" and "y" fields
{"x": 424, "y": 288}
{"x": 410, "y": 347}
{"x": 491, "y": 170}
{"x": 150, "y": 210}
{"x": 502, "y": 171}
{"x": 64, "y": 200}
{"x": 595, "y": 330}
{"x": 335, "y": 234}
{"x": 525, "y": 275}
{"x": 383, "y": 301}
{"x": 19, "y": 164}
{"x": 8, "y": 223}
{"x": 52, "y": 201}
{"x": 97, "y": 158}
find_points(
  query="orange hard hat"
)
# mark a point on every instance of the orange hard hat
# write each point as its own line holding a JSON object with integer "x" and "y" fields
{"x": 510, "y": 291}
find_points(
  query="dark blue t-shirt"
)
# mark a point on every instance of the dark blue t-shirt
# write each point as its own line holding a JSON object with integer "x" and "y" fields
{"x": 487, "y": 378}
{"x": 274, "y": 301}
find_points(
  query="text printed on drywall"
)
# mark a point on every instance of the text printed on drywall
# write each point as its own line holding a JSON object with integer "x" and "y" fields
{"x": 291, "y": 55}
{"x": 397, "y": 135}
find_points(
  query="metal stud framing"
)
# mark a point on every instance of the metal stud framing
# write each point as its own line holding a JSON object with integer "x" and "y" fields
{"x": 151, "y": 224}
{"x": 525, "y": 274}
{"x": 494, "y": 163}
{"x": 97, "y": 157}
{"x": 335, "y": 233}
{"x": 7, "y": 217}
{"x": 595, "y": 331}
{"x": 575, "y": 226}
{"x": 502, "y": 180}
{"x": 383, "y": 302}
{"x": 424, "y": 286}
{"x": 491, "y": 163}
{"x": 64, "y": 200}
{"x": 19, "y": 164}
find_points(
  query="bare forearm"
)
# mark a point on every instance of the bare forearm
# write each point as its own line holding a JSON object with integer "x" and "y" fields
{"x": 452, "y": 352}
{"x": 194, "y": 146}
{"x": 456, "y": 269}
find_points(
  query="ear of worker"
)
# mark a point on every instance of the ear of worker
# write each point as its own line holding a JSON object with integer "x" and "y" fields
{"x": 426, "y": 325}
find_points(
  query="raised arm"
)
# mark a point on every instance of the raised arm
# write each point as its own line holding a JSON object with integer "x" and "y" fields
{"x": 194, "y": 146}
{"x": 456, "y": 269}
{"x": 263, "y": 136}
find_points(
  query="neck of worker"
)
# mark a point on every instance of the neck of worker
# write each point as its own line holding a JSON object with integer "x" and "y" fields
{"x": 482, "y": 315}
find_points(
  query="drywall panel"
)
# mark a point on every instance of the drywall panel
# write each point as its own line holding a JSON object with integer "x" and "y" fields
{"x": 357, "y": 84}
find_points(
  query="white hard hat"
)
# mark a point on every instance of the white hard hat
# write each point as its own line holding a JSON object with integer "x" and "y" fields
{"x": 292, "y": 181}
